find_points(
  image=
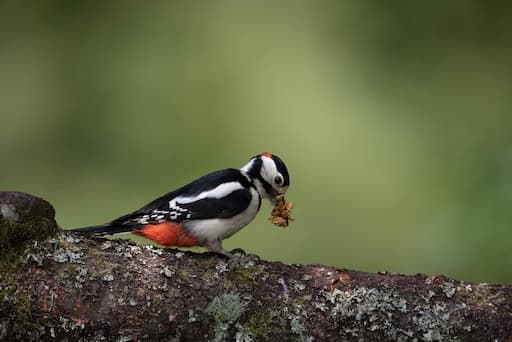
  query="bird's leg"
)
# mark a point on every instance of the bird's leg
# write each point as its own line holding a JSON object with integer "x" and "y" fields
{"x": 216, "y": 246}
{"x": 234, "y": 261}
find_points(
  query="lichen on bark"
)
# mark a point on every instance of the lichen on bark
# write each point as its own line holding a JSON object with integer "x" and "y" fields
{"x": 71, "y": 287}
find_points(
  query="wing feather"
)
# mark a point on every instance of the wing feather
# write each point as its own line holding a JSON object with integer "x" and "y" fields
{"x": 224, "y": 207}
{"x": 220, "y": 194}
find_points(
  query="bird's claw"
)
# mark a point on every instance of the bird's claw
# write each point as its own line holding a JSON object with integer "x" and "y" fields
{"x": 238, "y": 251}
{"x": 252, "y": 257}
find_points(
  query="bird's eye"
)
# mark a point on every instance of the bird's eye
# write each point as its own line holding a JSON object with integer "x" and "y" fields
{"x": 278, "y": 180}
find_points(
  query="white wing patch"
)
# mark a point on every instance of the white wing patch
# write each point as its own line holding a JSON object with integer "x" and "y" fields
{"x": 176, "y": 211}
{"x": 219, "y": 192}
{"x": 156, "y": 216}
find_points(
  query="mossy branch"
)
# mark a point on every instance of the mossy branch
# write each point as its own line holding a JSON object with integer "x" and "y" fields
{"x": 67, "y": 286}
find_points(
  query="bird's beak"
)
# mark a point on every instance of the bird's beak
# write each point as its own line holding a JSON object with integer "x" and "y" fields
{"x": 274, "y": 201}
{"x": 273, "y": 196}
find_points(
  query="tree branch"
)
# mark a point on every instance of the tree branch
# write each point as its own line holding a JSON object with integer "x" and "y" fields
{"x": 68, "y": 286}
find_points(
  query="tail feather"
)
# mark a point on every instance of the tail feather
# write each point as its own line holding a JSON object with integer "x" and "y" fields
{"x": 167, "y": 233}
{"x": 106, "y": 229}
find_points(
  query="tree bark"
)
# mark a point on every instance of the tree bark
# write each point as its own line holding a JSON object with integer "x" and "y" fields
{"x": 66, "y": 286}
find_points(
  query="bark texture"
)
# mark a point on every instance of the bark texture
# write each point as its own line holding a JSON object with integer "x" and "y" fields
{"x": 69, "y": 287}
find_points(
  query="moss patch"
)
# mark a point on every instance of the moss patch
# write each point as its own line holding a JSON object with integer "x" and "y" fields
{"x": 262, "y": 321}
{"x": 15, "y": 304}
{"x": 250, "y": 275}
{"x": 15, "y": 235}
{"x": 23, "y": 218}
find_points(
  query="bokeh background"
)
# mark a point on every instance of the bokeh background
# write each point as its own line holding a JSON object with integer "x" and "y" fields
{"x": 394, "y": 120}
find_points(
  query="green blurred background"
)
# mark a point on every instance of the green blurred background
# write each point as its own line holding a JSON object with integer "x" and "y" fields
{"x": 394, "y": 120}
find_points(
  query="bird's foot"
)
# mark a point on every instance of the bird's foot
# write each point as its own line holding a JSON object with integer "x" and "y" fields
{"x": 236, "y": 251}
{"x": 244, "y": 260}
{"x": 237, "y": 257}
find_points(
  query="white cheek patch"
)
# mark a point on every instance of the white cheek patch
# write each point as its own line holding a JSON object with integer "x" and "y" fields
{"x": 269, "y": 171}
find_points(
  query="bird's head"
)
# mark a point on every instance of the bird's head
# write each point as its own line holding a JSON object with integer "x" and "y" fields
{"x": 269, "y": 174}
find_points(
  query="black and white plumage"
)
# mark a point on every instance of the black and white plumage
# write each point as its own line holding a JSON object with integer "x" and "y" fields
{"x": 207, "y": 210}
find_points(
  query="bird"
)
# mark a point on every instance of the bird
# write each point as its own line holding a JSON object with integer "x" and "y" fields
{"x": 207, "y": 210}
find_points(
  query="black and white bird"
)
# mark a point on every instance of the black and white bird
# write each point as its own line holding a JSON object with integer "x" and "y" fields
{"x": 207, "y": 210}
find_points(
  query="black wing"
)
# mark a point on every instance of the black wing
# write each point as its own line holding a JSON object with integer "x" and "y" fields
{"x": 158, "y": 210}
{"x": 224, "y": 207}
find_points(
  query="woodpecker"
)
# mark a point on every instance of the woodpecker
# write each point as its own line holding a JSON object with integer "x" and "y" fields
{"x": 207, "y": 210}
